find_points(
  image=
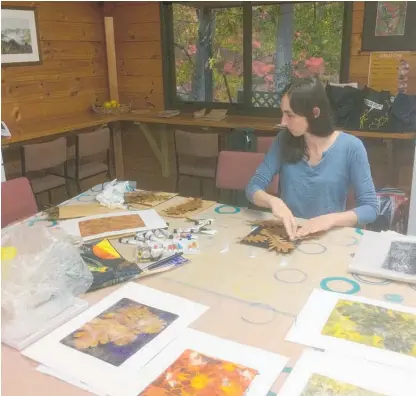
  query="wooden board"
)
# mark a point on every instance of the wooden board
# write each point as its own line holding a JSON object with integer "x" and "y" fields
{"x": 181, "y": 200}
{"x": 74, "y": 211}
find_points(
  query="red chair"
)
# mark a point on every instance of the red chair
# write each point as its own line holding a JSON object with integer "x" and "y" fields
{"x": 264, "y": 143}
{"x": 17, "y": 201}
{"x": 236, "y": 168}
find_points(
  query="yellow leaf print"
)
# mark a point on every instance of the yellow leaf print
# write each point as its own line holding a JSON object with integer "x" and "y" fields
{"x": 200, "y": 381}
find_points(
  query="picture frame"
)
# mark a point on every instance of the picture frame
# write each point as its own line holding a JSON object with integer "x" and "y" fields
{"x": 20, "y": 44}
{"x": 389, "y": 26}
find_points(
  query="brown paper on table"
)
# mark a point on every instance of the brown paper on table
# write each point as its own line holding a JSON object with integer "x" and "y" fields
{"x": 205, "y": 205}
{"x": 74, "y": 211}
{"x": 98, "y": 226}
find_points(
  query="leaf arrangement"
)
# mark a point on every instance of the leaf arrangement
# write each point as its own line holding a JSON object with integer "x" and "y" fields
{"x": 144, "y": 197}
{"x": 188, "y": 206}
{"x": 274, "y": 234}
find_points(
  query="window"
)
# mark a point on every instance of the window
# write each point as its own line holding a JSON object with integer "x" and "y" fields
{"x": 242, "y": 55}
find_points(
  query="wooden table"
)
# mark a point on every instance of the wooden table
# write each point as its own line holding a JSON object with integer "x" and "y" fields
{"x": 254, "y": 295}
{"x": 24, "y": 132}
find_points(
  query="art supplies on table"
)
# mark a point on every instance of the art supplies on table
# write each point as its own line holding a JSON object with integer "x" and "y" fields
{"x": 368, "y": 329}
{"x": 107, "y": 265}
{"x": 197, "y": 363}
{"x": 112, "y": 224}
{"x": 107, "y": 345}
{"x": 185, "y": 207}
{"x": 386, "y": 255}
{"x": 168, "y": 113}
{"x": 324, "y": 373}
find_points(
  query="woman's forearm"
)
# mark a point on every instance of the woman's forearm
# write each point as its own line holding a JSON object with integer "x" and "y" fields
{"x": 262, "y": 199}
{"x": 345, "y": 219}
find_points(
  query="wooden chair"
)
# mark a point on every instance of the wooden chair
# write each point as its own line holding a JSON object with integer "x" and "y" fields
{"x": 88, "y": 145}
{"x": 41, "y": 160}
{"x": 235, "y": 169}
{"x": 196, "y": 156}
{"x": 17, "y": 201}
{"x": 264, "y": 143}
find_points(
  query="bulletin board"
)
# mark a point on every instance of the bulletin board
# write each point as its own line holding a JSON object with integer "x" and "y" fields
{"x": 393, "y": 71}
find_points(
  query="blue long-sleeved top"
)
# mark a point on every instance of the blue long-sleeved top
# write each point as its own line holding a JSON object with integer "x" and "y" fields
{"x": 311, "y": 191}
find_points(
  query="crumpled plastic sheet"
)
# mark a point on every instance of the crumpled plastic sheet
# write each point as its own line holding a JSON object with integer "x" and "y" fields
{"x": 113, "y": 194}
{"x": 42, "y": 277}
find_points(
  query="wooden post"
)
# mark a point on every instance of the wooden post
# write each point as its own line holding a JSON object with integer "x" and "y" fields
{"x": 111, "y": 57}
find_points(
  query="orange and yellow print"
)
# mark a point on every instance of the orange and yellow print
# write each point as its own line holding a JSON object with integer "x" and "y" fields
{"x": 195, "y": 374}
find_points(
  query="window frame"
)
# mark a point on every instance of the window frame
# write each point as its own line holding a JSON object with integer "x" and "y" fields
{"x": 245, "y": 107}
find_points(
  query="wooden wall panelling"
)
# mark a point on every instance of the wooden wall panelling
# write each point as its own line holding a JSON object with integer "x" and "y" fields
{"x": 73, "y": 73}
{"x": 139, "y": 57}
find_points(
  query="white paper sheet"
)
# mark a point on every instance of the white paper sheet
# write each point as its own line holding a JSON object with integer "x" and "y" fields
{"x": 373, "y": 377}
{"x": 314, "y": 315}
{"x": 269, "y": 365}
{"x": 150, "y": 217}
{"x": 372, "y": 253}
{"x": 97, "y": 373}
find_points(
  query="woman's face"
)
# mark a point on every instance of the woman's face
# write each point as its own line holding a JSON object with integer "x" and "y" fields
{"x": 296, "y": 124}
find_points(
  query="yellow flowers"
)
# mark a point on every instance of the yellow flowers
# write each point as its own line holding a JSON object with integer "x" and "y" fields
{"x": 111, "y": 104}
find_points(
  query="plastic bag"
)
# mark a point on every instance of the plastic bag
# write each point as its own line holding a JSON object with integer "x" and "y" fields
{"x": 42, "y": 275}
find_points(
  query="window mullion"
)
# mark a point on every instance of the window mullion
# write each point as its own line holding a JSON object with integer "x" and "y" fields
{"x": 247, "y": 54}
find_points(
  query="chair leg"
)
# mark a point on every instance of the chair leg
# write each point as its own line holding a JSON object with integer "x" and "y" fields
{"x": 50, "y": 197}
{"x": 77, "y": 181}
{"x": 68, "y": 193}
{"x": 178, "y": 178}
{"x": 201, "y": 187}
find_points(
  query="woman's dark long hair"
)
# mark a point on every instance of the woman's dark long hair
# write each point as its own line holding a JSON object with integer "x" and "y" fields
{"x": 304, "y": 95}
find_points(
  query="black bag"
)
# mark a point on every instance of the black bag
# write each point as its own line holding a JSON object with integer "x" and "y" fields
{"x": 346, "y": 103}
{"x": 403, "y": 114}
{"x": 374, "y": 114}
{"x": 241, "y": 139}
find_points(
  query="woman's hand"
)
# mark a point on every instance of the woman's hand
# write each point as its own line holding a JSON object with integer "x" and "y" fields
{"x": 317, "y": 224}
{"x": 283, "y": 213}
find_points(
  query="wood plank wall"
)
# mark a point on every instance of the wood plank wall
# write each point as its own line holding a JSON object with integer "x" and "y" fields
{"x": 73, "y": 73}
{"x": 358, "y": 72}
{"x": 139, "y": 54}
{"x": 360, "y": 60}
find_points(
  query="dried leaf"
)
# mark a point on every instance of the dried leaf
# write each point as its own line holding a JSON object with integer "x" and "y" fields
{"x": 144, "y": 197}
{"x": 276, "y": 242}
{"x": 254, "y": 238}
{"x": 189, "y": 206}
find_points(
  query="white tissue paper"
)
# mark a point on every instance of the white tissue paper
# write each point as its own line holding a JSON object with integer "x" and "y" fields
{"x": 113, "y": 194}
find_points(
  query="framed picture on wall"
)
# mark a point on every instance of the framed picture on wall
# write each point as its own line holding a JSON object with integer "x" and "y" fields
{"x": 19, "y": 37}
{"x": 389, "y": 26}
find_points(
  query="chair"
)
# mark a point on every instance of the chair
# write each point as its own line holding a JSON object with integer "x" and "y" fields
{"x": 44, "y": 157}
{"x": 196, "y": 155}
{"x": 88, "y": 145}
{"x": 264, "y": 143}
{"x": 17, "y": 201}
{"x": 235, "y": 169}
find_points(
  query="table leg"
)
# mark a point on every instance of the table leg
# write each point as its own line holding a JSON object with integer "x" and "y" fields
{"x": 118, "y": 150}
{"x": 162, "y": 153}
{"x": 391, "y": 162}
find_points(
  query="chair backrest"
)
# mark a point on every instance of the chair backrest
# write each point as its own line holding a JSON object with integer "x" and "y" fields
{"x": 264, "y": 143}
{"x": 44, "y": 155}
{"x": 196, "y": 144}
{"x": 92, "y": 143}
{"x": 236, "y": 168}
{"x": 17, "y": 201}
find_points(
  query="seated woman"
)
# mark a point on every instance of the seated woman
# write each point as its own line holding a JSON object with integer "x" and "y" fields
{"x": 317, "y": 165}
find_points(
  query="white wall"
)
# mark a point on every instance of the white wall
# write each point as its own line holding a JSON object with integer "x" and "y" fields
{"x": 411, "y": 229}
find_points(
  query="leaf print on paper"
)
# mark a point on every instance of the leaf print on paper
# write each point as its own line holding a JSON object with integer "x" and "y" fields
{"x": 120, "y": 331}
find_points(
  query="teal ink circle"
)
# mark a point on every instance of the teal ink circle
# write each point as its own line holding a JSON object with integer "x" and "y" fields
{"x": 287, "y": 370}
{"x": 354, "y": 289}
{"x": 52, "y": 223}
{"x": 394, "y": 298}
{"x": 234, "y": 209}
